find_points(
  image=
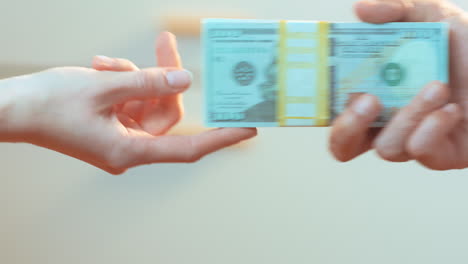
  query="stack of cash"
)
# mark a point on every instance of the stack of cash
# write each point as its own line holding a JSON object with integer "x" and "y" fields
{"x": 260, "y": 73}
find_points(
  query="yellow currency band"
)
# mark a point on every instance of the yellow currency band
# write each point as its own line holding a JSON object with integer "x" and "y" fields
{"x": 282, "y": 72}
{"x": 321, "y": 100}
{"x": 323, "y": 111}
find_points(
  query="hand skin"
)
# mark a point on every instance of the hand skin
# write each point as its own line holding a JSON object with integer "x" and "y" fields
{"x": 433, "y": 128}
{"x": 106, "y": 117}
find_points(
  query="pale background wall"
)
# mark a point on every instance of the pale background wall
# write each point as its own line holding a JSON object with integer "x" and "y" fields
{"x": 280, "y": 198}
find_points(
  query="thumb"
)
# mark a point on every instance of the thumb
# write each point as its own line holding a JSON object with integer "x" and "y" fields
{"x": 119, "y": 87}
{"x": 383, "y": 11}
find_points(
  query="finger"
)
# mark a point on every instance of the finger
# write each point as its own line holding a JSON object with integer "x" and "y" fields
{"x": 167, "y": 56}
{"x": 390, "y": 144}
{"x": 185, "y": 148}
{"x": 193, "y": 148}
{"x": 431, "y": 143}
{"x": 103, "y": 63}
{"x": 383, "y": 11}
{"x": 119, "y": 87}
{"x": 166, "y": 51}
{"x": 107, "y": 168}
{"x": 160, "y": 119}
{"x": 351, "y": 135}
{"x": 128, "y": 122}
{"x": 134, "y": 109}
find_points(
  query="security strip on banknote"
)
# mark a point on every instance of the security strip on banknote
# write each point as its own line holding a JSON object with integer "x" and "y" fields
{"x": 268, "y": 73}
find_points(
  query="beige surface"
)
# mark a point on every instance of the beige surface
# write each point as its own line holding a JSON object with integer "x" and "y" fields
{"x": 280, "y": 198}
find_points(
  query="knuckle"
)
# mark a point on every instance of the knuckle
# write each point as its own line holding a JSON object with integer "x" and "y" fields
{"x": 119, "y": 156}
{"x": 391, "y": 153}
{"x": 415, "y": 113}
{"x": 438, "y": 117}
{"x": 416, "y": 152}
{"x": 143, "y": 80}
{"x": 174, "y": 114}
{"x": 116, "y": 172}
{"x": 193, "y": 153}
{"x": 423, "y": 153}
{"x": 192, "y": 156}
{"x": 115, "y": 160}
{"x": 151, "y": 81}
{"x": 177, "y": 115}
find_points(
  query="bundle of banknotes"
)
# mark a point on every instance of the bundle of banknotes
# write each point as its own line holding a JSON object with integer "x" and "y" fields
{"x": 260, "y": 73}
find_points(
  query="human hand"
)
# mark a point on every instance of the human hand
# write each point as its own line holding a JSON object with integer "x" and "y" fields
{"x": 112, "y": 120}
{"x": 433, "y": 128}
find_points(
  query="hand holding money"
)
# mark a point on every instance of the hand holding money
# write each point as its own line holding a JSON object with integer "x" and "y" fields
{"x": 433, "y": 128}
{"x": 304, "y": 73}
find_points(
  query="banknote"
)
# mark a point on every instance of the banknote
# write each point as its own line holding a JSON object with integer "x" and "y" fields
{"x": 263, "y": 73}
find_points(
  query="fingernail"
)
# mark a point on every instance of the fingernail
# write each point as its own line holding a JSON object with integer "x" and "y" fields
{"x": 389, "y": 3}
{"x": 104, "y": 59}
{"x": 433, "y": 92}
{"x": 179, "y": 79}
{"x": 363, "y": 105}
{"x": 450, "y": 108}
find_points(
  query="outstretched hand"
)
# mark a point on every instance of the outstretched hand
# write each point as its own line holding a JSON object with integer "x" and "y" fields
{"x": 114, "y": 116}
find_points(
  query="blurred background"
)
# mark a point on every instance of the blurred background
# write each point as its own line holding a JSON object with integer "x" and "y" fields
{"x": 280, "y": 198}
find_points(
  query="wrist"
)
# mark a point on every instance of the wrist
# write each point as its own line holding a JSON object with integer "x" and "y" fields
{"x": 15, "y": 110}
